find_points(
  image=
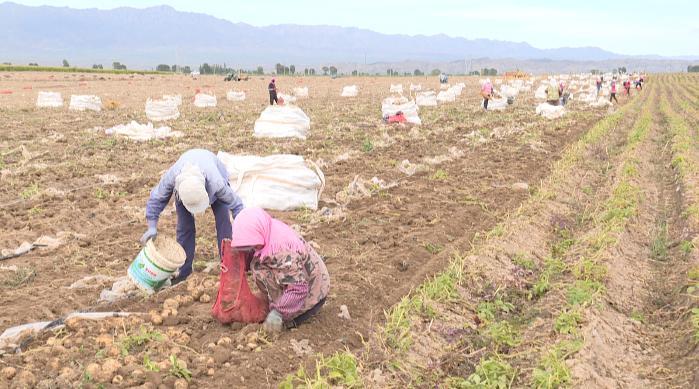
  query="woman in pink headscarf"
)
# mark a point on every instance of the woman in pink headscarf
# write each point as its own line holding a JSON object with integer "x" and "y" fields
{"x": 284, "y": 266}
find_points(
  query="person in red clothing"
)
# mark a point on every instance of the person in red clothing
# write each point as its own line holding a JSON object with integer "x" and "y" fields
{"x": 612, "y": 91}
{"x": 486, "y": 92}
{"x": 284, "y": 266}
{"x": 627, "y": 87}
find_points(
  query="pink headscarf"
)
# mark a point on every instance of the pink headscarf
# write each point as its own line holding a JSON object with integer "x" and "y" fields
{"x": 253, "y": 226}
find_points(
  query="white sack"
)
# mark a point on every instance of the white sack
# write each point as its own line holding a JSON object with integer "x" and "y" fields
{"x": 426, "y": 99}
{"x": 415, "y": 88}
{"x": 496, "y": 104}
{"x": 202, "y": 100}
{"x": 601, "y": 102}
{"x": 235, "y": 96}
{"x": 282, "y": 121}
{"x": 541, "y": 92}
{"x": 161, "y": 110}
{"x": 508, "y": 91}
{"x": 550, "y": 111}
{"x": 280, "y": 182}
{"x": 49, "y": 99}
{"x": 446, "y": 97}
{"x": 83, "y": 102}
{"x": 349, "y": 91}
{"x": 391, "y": 106}
{"x": 398, "y": 88}
{"x": 301, "y": 92}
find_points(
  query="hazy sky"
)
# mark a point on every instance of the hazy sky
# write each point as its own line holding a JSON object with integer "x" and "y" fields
{"x": 668, "y": 27}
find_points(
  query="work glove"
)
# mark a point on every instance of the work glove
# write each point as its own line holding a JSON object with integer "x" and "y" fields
{"x": 273, "y": 323}
{"x": 151, "y": 233}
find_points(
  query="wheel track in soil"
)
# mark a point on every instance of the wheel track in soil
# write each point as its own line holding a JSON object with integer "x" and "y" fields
{"x": 649, "y": 357}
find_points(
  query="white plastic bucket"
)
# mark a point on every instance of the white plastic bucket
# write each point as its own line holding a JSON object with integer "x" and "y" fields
{"x": 156, "y": 263}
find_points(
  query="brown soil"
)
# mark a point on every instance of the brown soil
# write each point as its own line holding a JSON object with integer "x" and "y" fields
{"x": 50, "y": 185}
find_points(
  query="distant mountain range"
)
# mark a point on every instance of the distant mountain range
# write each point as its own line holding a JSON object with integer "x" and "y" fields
{"x": 144, "y": 38}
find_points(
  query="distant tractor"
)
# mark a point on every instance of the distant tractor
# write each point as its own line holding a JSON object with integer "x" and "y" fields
{"x": 237, "y": 76}
{"x": 517, "y": 75}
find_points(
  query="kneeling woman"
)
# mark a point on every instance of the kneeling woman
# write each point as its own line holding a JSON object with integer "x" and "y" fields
{"x": 283, "y": 266}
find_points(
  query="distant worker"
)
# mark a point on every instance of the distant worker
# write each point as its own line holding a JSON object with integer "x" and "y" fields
{"x": 443, "y": 78}
{"x": 641, "y": 80}
{"x": 553, "y": 94}
{"x": 627, "y": 87}
{"x": 598, "y": 84}
{"x": 199, "y": 180}
{"x": 284, "y": 266}
{"x": 272, "y": 87}
{"x": 486, "y": 92}
{"x": 612, "y": 91}
{"x": 564, "y": 92}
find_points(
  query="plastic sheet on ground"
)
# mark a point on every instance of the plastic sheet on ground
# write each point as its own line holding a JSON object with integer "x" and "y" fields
{"x": 281, "y": 182}
{"x": 49, "y": 100}
{"x": 409, "y": 169}
{"x": 301, "y": 92}
{"x": 161, "y": 110}
{"x": 550, "y": 111}
{"x": 203, "y": 100}
{"x": 391, "y": 106}
{"x": 85, "y": 102}
{"x": 122, "y": 288}
{"x": 285, "y": 121}
{"x": 350, "y": 91}
{"x": 142, "y": 132}
{"x": 235, "y": 96}
{"x": 398, "y": 88}
{"x": 360, "y": 188}
{"x": 426, "y": 99}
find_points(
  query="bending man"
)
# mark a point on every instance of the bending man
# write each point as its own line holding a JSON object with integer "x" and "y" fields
{"x": 199, "y": 180}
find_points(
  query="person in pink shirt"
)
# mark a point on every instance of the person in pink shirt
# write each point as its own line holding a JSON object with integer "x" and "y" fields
{"x": 487, "y": 92}
{"x": 284, "y": 266}
{"x": 612, "y": 91}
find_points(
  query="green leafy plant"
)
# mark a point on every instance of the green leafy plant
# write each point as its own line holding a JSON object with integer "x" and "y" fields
{"x": 695, "y": 323}
{"x": 568, "y": 322}
{"x": 143, "y": 337}
{"x": 178, "y": 370}
{"x": 491, "y": 373}
{"x": 367, "y": 145}
{"x": 30, "y": 191}
{"x": 659, "y": 245}
{"x": 148, "y": 364}
{"x": 522, "y": 261}
{"x": 440, "y": 175}
{"x": 434, "y": 248}
{"x": 686, "y": 246}
{"x": 583, "y": 291}
{"x": 503, "y": 334}
{"x": 488, "y": 310}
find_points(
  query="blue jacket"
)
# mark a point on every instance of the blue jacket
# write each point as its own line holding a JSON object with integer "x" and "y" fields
{"x": 216, "y": 177}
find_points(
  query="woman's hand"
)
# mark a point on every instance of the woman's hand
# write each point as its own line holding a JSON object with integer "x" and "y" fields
{"x": 273, "y": 323}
